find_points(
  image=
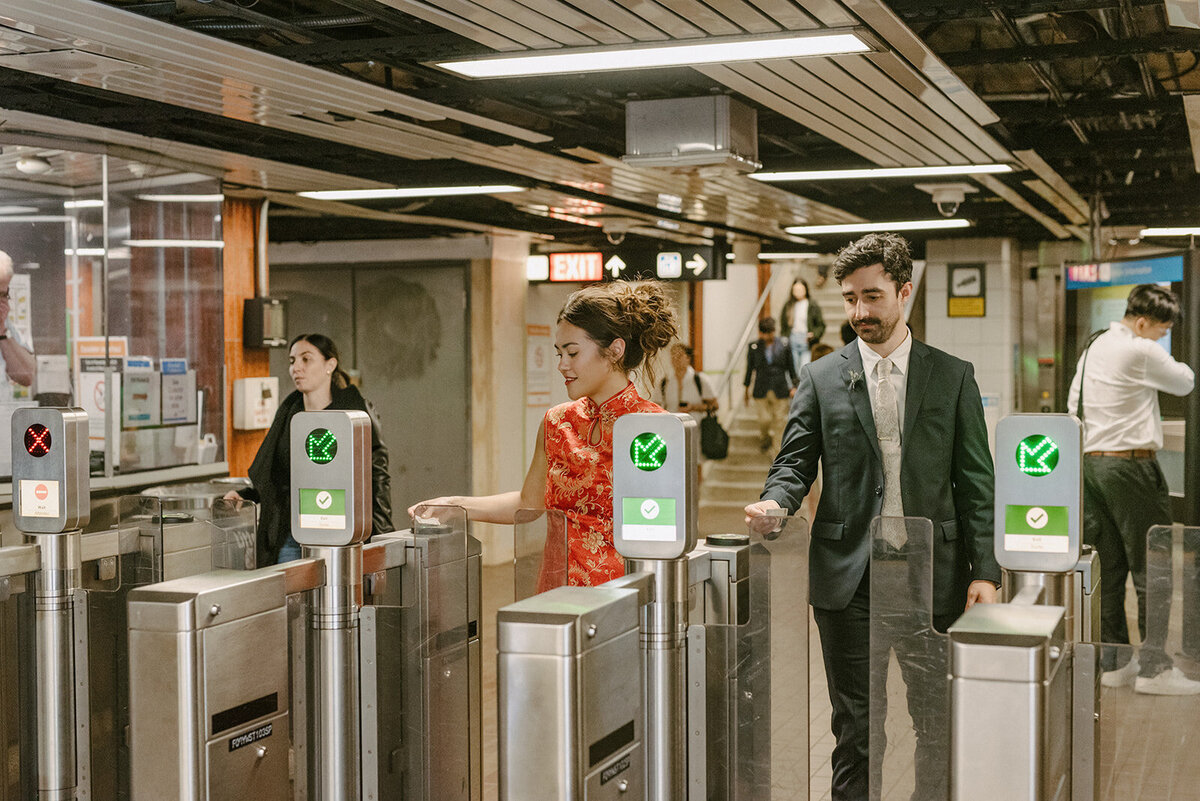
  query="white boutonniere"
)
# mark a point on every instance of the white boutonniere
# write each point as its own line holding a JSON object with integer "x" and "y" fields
{"x": 855, "y": 378}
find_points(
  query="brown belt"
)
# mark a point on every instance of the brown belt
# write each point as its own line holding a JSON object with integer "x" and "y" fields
{"x": 1134, "y": 454}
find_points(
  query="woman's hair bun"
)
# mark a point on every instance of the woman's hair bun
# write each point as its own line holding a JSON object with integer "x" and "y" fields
{"x": 640, "y": 313}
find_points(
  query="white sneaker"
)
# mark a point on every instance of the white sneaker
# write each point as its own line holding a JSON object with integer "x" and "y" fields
{"x": 1122, "y": 676}
{"x": 1169, "y": 682}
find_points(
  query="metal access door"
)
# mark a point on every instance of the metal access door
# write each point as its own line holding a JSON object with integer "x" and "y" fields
{"x": 405, "y": 330}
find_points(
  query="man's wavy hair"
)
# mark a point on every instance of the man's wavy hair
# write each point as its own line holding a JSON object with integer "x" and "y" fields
{"x": 890, "y": 250}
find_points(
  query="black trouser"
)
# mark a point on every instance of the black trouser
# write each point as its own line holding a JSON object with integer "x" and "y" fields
{"x": 1122, "y": 500}
{"x": 847, "y": 651}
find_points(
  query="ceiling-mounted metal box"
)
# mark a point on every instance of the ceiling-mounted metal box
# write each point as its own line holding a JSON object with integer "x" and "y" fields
{"x": 691, "y": 131}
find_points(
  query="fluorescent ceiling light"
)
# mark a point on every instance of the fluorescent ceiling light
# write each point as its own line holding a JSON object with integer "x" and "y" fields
{"x": 883, "y": 172}
{"x": 83, "y": 252}
{"x": 175, "y": 243}
{"x": 182, "y": 198}
{"x": 675, "y": 54}
{"x": 409, "y": 191}
{"x": 82, "y": 204}
{"x": 537, "y": 268}
{"x": 18, "y": 210}
{"x": 867, "y": 227}
{"x": 786, "y": 256}
{"x": 1192, "y": 231}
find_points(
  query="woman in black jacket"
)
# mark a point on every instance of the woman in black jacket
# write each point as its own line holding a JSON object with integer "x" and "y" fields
{"x": 801, "y": 322}
{"x": 320, "y": 384}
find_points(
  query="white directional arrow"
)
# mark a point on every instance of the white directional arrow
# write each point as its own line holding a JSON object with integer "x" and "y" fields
{"x": 696, "y": 264}
{"x": 615, "y": 265}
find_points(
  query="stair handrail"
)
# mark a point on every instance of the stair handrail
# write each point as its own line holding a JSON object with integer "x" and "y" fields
{"x": 732, "y": 404}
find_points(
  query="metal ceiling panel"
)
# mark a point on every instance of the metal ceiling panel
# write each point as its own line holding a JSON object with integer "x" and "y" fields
{"x": 829, "y": 13}
{"x": 524, "y": 16}
{"x": 907, "y": 44}
{"x": 1056, "y": 182}
{"x": 613, "y": 15}
{"x": 586, "y": 23}
{"x": 662, "y": 18}
{"x": 1002, "y": 190}
{"x": 738, "y": 82}
{"x": 745, "y": 16}
{"x": 789, "y": 16}
{"x": 875, "y": 115}
{"x": 702, "y": 16}
{"x": 278, "y": 84}
{"x": 1047, "y": 193}
{"x": 21, "y": 128}
{"x": 454, "y": 24}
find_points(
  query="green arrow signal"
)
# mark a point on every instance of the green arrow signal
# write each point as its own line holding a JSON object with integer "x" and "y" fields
{"x": 321, "y": 445}
{"x": 1037, "y": 455}
{"x": 648, "y": 451}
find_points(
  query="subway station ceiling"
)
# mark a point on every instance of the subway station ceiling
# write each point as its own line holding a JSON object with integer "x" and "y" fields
{"x": 1088, "y": 100}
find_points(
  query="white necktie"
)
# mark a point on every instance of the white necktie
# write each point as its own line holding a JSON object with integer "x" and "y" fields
{"x": 887, "y": 428}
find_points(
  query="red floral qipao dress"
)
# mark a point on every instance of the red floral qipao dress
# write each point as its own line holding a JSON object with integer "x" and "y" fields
{"x": 579, "y": 482}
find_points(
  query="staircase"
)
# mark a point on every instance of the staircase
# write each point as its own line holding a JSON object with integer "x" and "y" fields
{"x": 733, "y": 482}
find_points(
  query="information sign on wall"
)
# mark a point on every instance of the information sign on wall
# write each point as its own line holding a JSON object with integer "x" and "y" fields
{"x": 966, "y": 291}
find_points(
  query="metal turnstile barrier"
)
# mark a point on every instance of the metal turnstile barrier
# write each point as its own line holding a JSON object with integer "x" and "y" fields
{"x": 567, "y": 690}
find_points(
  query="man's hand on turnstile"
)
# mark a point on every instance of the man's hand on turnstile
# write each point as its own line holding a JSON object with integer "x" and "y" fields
{"x": 765, "y": 518}
{"x": 981, "y": 592}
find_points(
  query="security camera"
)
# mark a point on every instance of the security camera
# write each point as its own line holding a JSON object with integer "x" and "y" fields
{"x": 948, "y": 196}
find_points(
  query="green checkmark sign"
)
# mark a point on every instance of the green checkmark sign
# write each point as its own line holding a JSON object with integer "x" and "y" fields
{"x": 1042, "y": 521}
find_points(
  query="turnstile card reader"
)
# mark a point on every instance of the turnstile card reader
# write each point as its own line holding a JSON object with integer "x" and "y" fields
{"x": 655, "y": 503}
{"x": 331, "y": 477}
{"x": 208, "y": 687}
{"x": 570, "y": 692}
{"x": 51, "y": 493}
{"x": 1039, "y": 492}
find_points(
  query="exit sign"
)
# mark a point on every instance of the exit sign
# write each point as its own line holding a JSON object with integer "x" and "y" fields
{"x": 576, "y": 266}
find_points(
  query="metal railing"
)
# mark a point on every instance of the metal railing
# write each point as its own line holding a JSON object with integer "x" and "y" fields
{"x": 731, "y": 402}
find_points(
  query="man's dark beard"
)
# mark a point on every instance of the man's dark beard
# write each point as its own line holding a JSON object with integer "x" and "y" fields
{"x": 878, "y": 335}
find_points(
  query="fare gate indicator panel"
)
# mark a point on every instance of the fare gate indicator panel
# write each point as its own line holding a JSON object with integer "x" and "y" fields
{"x": 655, "y": 458}
{"x": 331, "y": 477}
{"x": 1039, "y": 492}
{"x": 51, "y": 489}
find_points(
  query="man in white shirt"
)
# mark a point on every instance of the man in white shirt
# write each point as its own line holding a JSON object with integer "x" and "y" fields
{"x": 1115, "y": 394}
{"x": 16, "y": 358}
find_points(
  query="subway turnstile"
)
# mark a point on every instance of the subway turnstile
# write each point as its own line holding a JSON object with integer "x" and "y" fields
{"x": 701, "y": 677}
{"x": 210, "y": 652}
{"x": 64, "y": 704}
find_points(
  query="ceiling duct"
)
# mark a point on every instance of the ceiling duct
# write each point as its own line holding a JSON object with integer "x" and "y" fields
{"x": 691, "y": 132}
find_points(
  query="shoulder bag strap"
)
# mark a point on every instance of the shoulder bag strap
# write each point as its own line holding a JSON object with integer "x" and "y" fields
{"x": 1082, "y": 371}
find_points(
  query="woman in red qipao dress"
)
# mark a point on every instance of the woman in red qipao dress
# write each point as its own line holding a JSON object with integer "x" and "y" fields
{"x": 605, "y": 333}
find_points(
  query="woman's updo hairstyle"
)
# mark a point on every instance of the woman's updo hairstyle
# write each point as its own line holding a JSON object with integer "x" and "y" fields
{"x": 640, "y": 313}
{"x": 324, "y": 345}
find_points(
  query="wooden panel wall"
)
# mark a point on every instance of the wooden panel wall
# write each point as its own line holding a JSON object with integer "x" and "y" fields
{"x": 240, "y": 218}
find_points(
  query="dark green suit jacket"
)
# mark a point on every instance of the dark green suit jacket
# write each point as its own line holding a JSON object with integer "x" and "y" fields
{"x": 946, "y": 472}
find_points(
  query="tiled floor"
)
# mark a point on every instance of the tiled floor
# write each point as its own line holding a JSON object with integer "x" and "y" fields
{"x": 1150, "y": 745}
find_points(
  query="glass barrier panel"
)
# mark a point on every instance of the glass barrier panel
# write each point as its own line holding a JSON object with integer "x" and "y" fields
{"x": 1149, "y": 728}
{"x": 909, "y": 707}
{"x": 18, "y": 771}
{"x": 774, "y": 706}
{"x": 435, "y": 644}
{"x": 233, "y": 531}
{"x": 539, "y": 551}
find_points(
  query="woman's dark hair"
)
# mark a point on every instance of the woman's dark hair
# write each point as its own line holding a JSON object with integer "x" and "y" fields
{"x": 890, "y": 250}
{"x": 324, "y": 345}
{"x": 1153, "y": 302}
{"x": 785, "y": 314}
{"x": 638, "y": 313}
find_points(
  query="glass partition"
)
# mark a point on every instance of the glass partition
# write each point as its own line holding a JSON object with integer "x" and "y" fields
{"x": 909, "y": 666}
{"x": 773, "y": 711}
{"x": 1150, "y": 717}
{"x": 539, "y": 551}
{"x": 116, "y": 306}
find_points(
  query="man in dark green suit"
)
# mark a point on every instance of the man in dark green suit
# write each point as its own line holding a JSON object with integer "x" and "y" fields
{"x": 899, "y": 429}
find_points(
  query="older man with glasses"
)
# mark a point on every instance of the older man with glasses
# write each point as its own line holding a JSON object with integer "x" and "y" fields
{"x": 15, "y": 355}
